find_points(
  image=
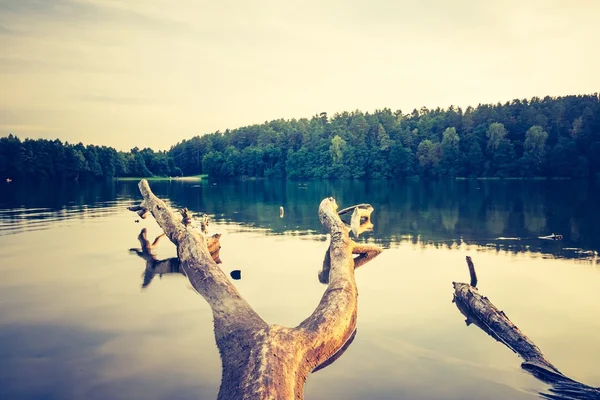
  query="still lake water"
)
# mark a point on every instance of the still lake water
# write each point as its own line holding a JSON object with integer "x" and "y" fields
{"x": 75, "y": 322}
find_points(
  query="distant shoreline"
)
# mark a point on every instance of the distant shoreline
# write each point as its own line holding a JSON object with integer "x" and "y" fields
{"x": 517, "y": 178}
{"x": 162, "y": 178}
{"x": 245, "y": 178}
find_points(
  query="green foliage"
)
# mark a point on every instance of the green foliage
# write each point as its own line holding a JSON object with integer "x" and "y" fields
{"x": 496, "y": 134}
{"x": 46, "y": 159}
{"x": 551, "y": 137}
{"x": 429, "y": 155}
{"x": 489, "y": 140}
{"x": 534, "y": 150}
{"x": 450, "y": 163}
{"x": 338, "y": 145}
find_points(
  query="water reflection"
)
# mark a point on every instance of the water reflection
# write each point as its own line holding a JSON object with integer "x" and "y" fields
{"x": 481, "y": 213}
{"x": 74, "y": 324}
{"x": 36, "y": 206}
{"x": 153, "y": 264}
{"x": 498, "y": 215}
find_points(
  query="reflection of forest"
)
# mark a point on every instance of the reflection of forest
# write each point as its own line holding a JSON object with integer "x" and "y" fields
{"x": 481, "y": 212}
{"x": 441, "y": 213}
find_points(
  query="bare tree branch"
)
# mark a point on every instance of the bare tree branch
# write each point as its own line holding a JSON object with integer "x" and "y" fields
{"x": 263, "y": 361}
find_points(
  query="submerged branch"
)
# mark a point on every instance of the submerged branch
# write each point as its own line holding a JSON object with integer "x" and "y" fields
{"x": 480, "y": 311}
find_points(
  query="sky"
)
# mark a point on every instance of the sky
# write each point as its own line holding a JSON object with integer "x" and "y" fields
{"x": 150, "y": 73}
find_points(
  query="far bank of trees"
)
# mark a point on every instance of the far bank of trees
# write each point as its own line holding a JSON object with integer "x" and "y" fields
{"x": 52, "y": 159}
{"x": 549, "y": 137}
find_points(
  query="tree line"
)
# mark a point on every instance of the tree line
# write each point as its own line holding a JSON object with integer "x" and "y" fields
{"x": 549, "y": 137}
{"x": 52, "y": 159}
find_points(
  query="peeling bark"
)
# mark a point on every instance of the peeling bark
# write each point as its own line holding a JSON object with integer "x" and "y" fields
{"x": 480, "y": 311}
{"x": 261, "y": 361}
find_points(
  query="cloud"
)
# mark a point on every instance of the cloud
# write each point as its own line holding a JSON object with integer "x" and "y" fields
{"x": 117, "y": 100}
{"x": 155, "y": 68}
{"x": 81, "y": 12}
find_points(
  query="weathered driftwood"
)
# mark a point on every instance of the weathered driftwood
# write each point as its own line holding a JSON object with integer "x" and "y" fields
{"x": 480, "y": 311}
{"x": 365, "y": 253}
{"x": 360, "y": 220}
{"x": 154, "y": 267}
{"x": 214, "y": 247}
{"x": 203, "y": 222}
{"x": 187, "y": 218}
{"x": 261, "y": 361}
{"x": 141, "y": 211}
{"x": 472, "y": 272}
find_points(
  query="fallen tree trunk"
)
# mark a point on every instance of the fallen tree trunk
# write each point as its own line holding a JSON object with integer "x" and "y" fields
{"x": 480, "y": 311}
{"x": 261, "y": 361}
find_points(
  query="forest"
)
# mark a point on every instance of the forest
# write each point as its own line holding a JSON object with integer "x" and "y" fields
{"x": 552, "y": 137}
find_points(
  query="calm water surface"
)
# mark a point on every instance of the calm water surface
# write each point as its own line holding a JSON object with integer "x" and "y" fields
{"x": 75, "y": 322}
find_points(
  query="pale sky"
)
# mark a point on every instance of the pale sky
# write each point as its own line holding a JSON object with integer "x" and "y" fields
{"x": 143, "y": 73}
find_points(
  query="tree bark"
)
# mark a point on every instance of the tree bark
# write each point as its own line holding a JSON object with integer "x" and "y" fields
{"x": 481, "y": 312}
{"x": 262, "y": 361}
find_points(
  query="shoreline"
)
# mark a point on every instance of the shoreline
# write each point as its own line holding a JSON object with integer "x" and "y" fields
{"x": 162, "y": 178}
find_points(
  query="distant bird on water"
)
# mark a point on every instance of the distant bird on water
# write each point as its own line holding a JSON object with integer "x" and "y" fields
{"x": 281, "y": 212}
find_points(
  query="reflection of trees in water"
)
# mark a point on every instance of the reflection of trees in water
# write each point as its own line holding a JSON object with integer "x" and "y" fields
{"x": 535, "y": 218}
{"x": 449, "y": 217}
{"x": 496, "y": 220}
{"x": 574, "y": 225}
{"x": 35, "y": 205}
{"x": 476, "y": 211}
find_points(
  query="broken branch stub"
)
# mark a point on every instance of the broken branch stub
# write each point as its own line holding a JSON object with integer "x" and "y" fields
{"x": 187, "y": 219}
{"x": 363, "y": 209}
{"x": 261, "y": 361}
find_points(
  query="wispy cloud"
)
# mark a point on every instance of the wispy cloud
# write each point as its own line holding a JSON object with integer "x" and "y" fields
{"x": 168, "y": 70}
{"x": 117, "y": 100}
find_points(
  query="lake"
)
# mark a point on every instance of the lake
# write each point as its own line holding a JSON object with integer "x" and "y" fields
{"x": 76, "y": 323}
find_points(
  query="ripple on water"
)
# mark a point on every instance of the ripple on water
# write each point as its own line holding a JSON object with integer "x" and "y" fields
{"x": 16, "y": 220}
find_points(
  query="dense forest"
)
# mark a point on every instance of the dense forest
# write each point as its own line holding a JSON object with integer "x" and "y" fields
{"x": 41, "y": 159}
{"x": 549, "y": 137}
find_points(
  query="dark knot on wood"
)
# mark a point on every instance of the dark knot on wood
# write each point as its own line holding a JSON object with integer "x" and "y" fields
{"x": 187, "y": 220}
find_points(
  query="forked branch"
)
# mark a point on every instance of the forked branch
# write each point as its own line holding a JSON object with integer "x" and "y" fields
{"x": 262, "y": 361}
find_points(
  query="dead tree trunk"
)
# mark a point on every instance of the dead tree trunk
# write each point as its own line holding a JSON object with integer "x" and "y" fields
{"x": 480, "y": 311}
{"x": 262, "y": 361}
